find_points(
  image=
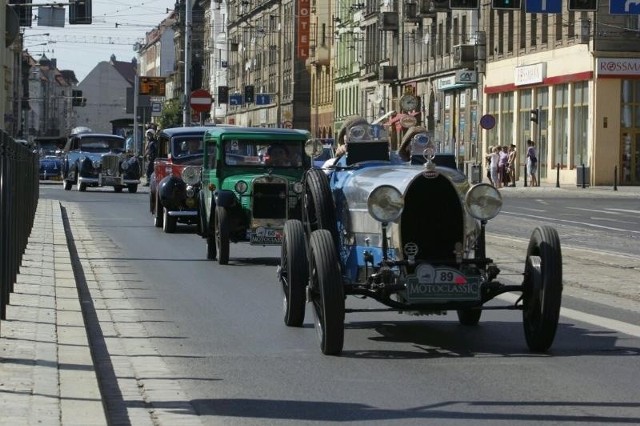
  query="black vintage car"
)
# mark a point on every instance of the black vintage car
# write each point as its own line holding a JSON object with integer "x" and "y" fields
{"x": 96, "y": 160}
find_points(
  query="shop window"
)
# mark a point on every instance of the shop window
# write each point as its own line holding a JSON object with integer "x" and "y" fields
{"x": 560, "y": 125}
{"x": 580, "y": 122}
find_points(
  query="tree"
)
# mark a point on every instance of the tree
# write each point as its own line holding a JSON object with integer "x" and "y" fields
{"x": 171, "y": 114}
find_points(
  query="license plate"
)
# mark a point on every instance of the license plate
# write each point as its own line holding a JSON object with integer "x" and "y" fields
{"x": 440, "y": 284}
{"x": 266, "y": 236}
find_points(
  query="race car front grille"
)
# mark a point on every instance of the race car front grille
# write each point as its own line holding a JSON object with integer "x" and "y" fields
{"x": 270, "y": 200}
{"x": 433, "y": 218}
{"x": 111, "y": 165}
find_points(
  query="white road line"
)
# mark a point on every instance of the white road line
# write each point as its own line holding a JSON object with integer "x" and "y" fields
{"x": 573, "y": 222}
{"x": 593, "y": 210}
{"x": 625, "y": 211}
{"x": 610, "y": 324}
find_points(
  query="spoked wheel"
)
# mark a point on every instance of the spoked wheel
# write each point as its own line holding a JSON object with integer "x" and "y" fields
{"x": 319, "y": 211}
{"x": 542, "y": 291}
{"x": 222, "y": 234}
{"x": 327, "y": 293}
{"x": 157, "y": 213}
{"x": 293, "y": 272}
{"x": 169, "y": 223}
{"x": 469, "y": 316}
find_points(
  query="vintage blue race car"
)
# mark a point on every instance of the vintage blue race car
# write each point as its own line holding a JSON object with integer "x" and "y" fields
{"x": 409, "y": 235}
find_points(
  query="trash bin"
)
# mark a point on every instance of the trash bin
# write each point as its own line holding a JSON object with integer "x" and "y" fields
{"x": 473, "y": 172}
{"x": 582, "y": 176}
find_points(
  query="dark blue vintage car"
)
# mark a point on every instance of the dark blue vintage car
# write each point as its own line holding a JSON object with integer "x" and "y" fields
{"x": 49, "y": 150}
{"x": 97, "y": 160}
{"x": 409, "y": 235}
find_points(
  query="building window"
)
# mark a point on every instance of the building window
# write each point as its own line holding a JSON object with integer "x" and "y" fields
{"x": 526, "y": 105}
{"x": 560, "y": 124}
{"x": 493, "y": 108}
{"x": 523, "y": 31}
{"x": 534, "y": 29}
{"x": 511, "y": 34}
{"x": 544, "y": 39}
{"x": 580, "y": 122}
{"x": 506, "y": 119}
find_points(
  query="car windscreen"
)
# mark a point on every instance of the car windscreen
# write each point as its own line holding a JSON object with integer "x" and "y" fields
{"x": 101, "y": 144}
{"x": 187, "y": 149}
{"x": 260, "y": 153}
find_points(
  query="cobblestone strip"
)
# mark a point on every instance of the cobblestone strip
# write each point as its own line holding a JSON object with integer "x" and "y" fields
{"x": 151, "y": 394}
{"x": 29, "y": 392}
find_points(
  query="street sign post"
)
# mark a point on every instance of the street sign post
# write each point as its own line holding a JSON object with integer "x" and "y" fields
{"x": 200, "y": 100}
{"x": 543, "y": 6}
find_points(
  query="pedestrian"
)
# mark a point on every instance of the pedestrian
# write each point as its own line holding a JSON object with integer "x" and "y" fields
{"x": 494, "y": 160}
{"x": 532, "y": 163}
{"x": 487, "y": 159}
{"x": 511, "y": 164}
{"x": 502, "y": 165}
{"x": 150, "y": 153}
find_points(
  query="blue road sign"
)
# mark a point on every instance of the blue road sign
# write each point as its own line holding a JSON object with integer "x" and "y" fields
{"x": 543, "y": 6}
{"x": 624, "y": 7}
{"x": 235, "y": 99}
{"x": 263, "y": 99}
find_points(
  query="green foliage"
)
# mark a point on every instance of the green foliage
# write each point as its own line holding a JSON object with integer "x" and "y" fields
{"x": 171, "y": 114}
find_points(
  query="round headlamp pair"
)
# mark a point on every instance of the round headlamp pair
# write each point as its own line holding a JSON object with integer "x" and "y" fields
{"x": 191, "y": 175}
{"x": 483, "y": 201}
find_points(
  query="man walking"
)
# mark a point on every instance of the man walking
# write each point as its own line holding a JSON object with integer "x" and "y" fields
{"x": 150, "y": 153}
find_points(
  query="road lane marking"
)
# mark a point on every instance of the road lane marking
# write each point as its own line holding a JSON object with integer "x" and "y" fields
{"x": 626, "y": 211}
{"x": 598, "y": 321}
{"x": 573, "y": 222}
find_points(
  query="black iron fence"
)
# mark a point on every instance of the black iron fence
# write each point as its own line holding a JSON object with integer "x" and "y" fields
{"x": 19, "y": 192}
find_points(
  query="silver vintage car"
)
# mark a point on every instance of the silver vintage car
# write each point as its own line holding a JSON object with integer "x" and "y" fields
{"x": 96, "y": 159}
{"x": 409, "y": 232}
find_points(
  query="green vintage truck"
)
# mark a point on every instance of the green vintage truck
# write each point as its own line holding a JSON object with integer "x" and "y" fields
{"x": 251, "y": 184}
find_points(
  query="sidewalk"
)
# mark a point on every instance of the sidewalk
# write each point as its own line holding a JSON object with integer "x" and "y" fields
{"x": 48, "y": 375}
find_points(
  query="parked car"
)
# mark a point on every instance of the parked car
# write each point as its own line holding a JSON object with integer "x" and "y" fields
{"x": 96, "y": 160}
{"x": 50, "y": 149}
{"x": 175, "y": 182}
{"x": 252, "y": 183}
{"x": 409, "y": 236}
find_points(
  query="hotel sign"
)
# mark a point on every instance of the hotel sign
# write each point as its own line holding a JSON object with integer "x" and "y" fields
{"x": 304, "y": 11}
{"x": 530, "y": 74}
{"x": 618, "y": 67}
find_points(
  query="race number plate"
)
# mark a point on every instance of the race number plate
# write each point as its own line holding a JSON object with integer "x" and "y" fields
{"x": 441, "y": 284}
{"x": 266, "y": 236}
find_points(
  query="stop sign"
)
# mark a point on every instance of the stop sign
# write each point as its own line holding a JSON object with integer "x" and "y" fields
{"x": 201, "y": 100}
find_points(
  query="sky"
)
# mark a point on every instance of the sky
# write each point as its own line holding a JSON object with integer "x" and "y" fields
{"x": 117, "y": 25}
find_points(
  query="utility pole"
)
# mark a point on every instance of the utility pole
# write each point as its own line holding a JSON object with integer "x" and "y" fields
{"x": 188, "y": 18}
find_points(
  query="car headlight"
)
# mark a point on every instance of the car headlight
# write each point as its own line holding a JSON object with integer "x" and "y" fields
{"x": 385, "y": 203}
{"x": 298, "y": 187}
{"x": 313, "y": 148}
{"x": 483, "y": 201}
{"x": 125, "y": 165}
{"x": 95, "y": 164}
{"x": 241, "y": 187}
{"x": 191, "y": 175}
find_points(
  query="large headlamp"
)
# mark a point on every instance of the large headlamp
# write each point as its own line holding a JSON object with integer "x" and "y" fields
{"x": 385, "y": 203}
{"x": 483, "y": 201}
{"x": 191, "y": 175}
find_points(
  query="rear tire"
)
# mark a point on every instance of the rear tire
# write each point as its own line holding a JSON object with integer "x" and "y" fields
{"x": 542, "y": 293}
{"x": 157, "y": 216}
{"x": 327, "y": 292}
{"x": 319, "y": 210}
{"x": 67, "y": 185}
{"x": 133, "y": 188}
{"x": 294, "y": 272}
{"x": 82, "y": 187}
{"x": 222, "y": 234}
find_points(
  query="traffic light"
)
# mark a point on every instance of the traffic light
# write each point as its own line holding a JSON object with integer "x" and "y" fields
{"x": 24, "y": 12}
{"x": 582, "y": 5}
{"x": 80, "y": 12}
{"x": 249, "y": 94}
{"x": 464, "y": 4}
{"x": 506, "y": 4}
{"x": 223, "y": 95}
{"x": 76, "y": 98}
{"x": 534, "y": 115}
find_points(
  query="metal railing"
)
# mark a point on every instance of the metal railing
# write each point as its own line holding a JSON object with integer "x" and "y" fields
{"x": 19, "y": 192}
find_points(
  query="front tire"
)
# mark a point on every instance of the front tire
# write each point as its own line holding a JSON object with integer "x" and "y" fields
{"x": 222, "y": 231}
{"x": 168, "y": 222}
{"x": 294, "y": 272}
{"x": 542, "y": 293}
{"x": 67, "y": 185}
{"x": 133, "y": 188}
{"x": 157, "y": 217}
{"x": 327, "y": 292}
{"x": 82, "y": 187}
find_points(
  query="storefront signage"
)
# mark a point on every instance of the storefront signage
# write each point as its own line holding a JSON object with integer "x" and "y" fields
{"x": 466, "y": 77}
{"x": 530, "y": 74}
{"x": 618, "y": 67}
{"x": 453, "y": 82}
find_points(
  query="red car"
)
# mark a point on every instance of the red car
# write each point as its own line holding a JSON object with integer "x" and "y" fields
{"x": 175, "y": 182}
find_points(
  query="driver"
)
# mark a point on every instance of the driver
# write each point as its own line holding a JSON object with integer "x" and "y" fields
{"x": 277, "y": 155}
{"x": 404, "y": 152}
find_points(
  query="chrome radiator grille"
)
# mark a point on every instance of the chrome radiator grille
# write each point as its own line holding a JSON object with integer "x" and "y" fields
{"x": 111, "y": 165}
